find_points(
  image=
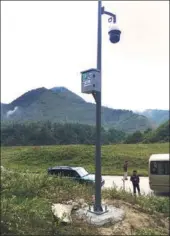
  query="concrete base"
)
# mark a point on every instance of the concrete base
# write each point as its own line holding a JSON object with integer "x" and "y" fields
{"x": 111, "y": 216}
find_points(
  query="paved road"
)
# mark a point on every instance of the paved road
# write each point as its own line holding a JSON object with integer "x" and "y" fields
{"x": 117, "y": 180}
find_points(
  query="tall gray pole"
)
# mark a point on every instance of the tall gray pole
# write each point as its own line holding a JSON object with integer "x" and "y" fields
{"x": 114, "y": 35}
{"x": 97, "y": 205}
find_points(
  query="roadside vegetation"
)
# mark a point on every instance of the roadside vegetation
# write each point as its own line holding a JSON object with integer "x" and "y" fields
{"x": 39, "y": 158}
{"x": 26, "y": 201}
{"x": 27, "y": 192}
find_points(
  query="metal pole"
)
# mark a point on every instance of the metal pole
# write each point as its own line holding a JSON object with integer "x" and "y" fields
{"x": 97, "y": 205}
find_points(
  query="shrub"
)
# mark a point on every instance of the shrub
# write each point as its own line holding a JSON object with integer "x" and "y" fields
{"x": 148, "y": 203}
{"x": 26, "y": 201}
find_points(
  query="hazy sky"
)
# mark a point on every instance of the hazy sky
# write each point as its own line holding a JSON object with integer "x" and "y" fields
{"x": 48, "y": 44}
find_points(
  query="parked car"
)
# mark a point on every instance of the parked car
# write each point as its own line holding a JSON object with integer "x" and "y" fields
{"x": 76, "y": 173}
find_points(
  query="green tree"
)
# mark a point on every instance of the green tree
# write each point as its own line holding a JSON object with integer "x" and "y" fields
{"x": 136, "y": 137}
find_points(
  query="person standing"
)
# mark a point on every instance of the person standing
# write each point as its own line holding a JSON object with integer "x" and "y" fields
{"x": 135, "y": 182}
{"x": 125, "y": 168}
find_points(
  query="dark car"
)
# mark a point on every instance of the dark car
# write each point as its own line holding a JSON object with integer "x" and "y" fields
{"x": 76, "y": 173}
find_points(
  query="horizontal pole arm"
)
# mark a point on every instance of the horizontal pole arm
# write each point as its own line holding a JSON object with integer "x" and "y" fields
{"x": 109, "y": 14}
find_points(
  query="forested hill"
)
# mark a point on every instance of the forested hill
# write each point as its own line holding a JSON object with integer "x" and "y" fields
{"x": 61, "y": 105}
{"x": 161, "y": 134}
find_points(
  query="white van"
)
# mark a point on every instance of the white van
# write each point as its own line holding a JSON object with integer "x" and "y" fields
{"x": 159, "y": 173}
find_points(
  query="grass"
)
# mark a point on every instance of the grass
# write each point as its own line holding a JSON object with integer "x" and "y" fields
{"x": 146, "y": 203}
{"x": 26, "y": 197}
{"x": 148, "y": 232}
{"x": 38, "y": 159}
{"x": 26, "y": 201}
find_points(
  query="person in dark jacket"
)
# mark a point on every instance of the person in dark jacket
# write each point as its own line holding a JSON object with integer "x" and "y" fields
{"x": 135, "y": 181}
{"x": 125, "y": 168}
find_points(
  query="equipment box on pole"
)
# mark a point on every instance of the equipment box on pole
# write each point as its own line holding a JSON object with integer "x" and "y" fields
{"x": 90, "y": 81}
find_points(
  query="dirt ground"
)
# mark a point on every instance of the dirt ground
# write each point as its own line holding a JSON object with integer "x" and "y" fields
{"x": 134, "y": 219}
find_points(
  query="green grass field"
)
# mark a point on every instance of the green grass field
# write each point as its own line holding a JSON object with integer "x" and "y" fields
{"x": 26, "y": 201}
{"x": 26, "y": 198}
{"x": 38, "y": 159}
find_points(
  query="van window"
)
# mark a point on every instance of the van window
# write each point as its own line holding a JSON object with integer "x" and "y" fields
{"x": 159, "y": 167}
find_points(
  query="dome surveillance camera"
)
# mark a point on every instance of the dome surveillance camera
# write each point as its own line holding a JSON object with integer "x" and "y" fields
{"x": 114, "y": 34}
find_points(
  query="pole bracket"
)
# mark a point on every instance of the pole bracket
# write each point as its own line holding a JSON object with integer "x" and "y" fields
{"x": 112, "y": 18}
{"x": 94, "y": 96}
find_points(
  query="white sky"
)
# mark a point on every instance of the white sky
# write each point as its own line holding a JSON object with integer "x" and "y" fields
{"x": 48, "y": 44}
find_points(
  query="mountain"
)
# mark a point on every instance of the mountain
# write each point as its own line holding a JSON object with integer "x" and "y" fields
{"x": 68, "y": 94}
{"x": 4, "y": 108}
{"x": 157, "y": 116}
{"x": 28, "y": 98}
{"x": 59, "y": 89}
{"x": 61, "y": 105}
